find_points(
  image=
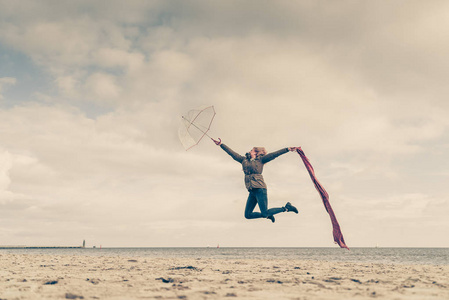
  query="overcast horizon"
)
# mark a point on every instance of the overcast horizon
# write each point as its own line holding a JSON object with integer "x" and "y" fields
{"x": 92, "y": 93}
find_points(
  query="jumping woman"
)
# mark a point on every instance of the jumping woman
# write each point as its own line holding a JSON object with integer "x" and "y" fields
{"x": 252, "y": 164}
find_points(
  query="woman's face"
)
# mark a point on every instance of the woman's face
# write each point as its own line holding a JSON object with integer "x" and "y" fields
{"x": 253, "y": 153}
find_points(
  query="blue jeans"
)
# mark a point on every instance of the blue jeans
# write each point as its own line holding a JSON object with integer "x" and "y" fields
{"x": 259, "y": 196}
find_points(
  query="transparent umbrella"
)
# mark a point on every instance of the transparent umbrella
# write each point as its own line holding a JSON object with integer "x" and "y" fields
{"x": 194, "y": 125}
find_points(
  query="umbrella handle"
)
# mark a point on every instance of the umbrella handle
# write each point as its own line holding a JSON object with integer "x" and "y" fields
{"x": 218, "y": 143}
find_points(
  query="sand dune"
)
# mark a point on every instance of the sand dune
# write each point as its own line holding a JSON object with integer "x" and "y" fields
{"x": 107, "y": 277}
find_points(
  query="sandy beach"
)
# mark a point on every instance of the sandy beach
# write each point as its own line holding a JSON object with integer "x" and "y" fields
{"x": 90, "y": 277}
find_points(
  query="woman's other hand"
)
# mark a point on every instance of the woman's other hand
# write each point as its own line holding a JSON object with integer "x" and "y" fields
{"x": 218, "y": 143}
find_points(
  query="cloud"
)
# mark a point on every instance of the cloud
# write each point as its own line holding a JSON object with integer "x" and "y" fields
{"x": 103, "y": 87}
{"x": 5, "y": 82}
{"x": 5, "y": 165}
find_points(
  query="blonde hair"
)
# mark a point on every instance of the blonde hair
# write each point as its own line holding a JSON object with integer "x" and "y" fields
{"x": 260, "y": 151}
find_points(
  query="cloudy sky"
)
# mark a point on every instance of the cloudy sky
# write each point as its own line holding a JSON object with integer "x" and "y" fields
{"x": 92, "y": 93}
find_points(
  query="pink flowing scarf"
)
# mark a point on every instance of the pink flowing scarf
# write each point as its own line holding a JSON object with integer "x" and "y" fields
{"x": 338, "y": 236}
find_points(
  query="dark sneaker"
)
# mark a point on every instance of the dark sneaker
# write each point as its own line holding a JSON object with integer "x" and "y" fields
{"x": 271, "y": 218}
{"x": 290, "y": 207}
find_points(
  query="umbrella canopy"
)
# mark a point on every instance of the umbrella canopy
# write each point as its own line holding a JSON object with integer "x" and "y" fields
{"x": 194, "y": 125}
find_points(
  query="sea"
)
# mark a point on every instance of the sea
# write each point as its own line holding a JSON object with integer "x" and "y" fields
{"x": 408, "y": 256}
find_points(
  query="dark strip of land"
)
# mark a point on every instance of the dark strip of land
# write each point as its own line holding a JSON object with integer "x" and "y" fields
{"x": 41, "y": 247}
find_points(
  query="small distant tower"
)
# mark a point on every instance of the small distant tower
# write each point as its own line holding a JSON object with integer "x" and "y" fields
{"x": 84, "y": 243}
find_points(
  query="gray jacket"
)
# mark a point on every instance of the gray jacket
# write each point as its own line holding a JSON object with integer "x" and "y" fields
{"x": 253, "y": 167}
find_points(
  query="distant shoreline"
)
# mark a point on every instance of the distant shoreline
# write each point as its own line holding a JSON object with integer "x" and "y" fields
{"x": 41, "y": 247}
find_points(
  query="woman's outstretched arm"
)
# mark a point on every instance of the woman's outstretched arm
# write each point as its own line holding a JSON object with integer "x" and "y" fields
{"x": 270, "y": 156}
{"x": 232, "y": 153}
